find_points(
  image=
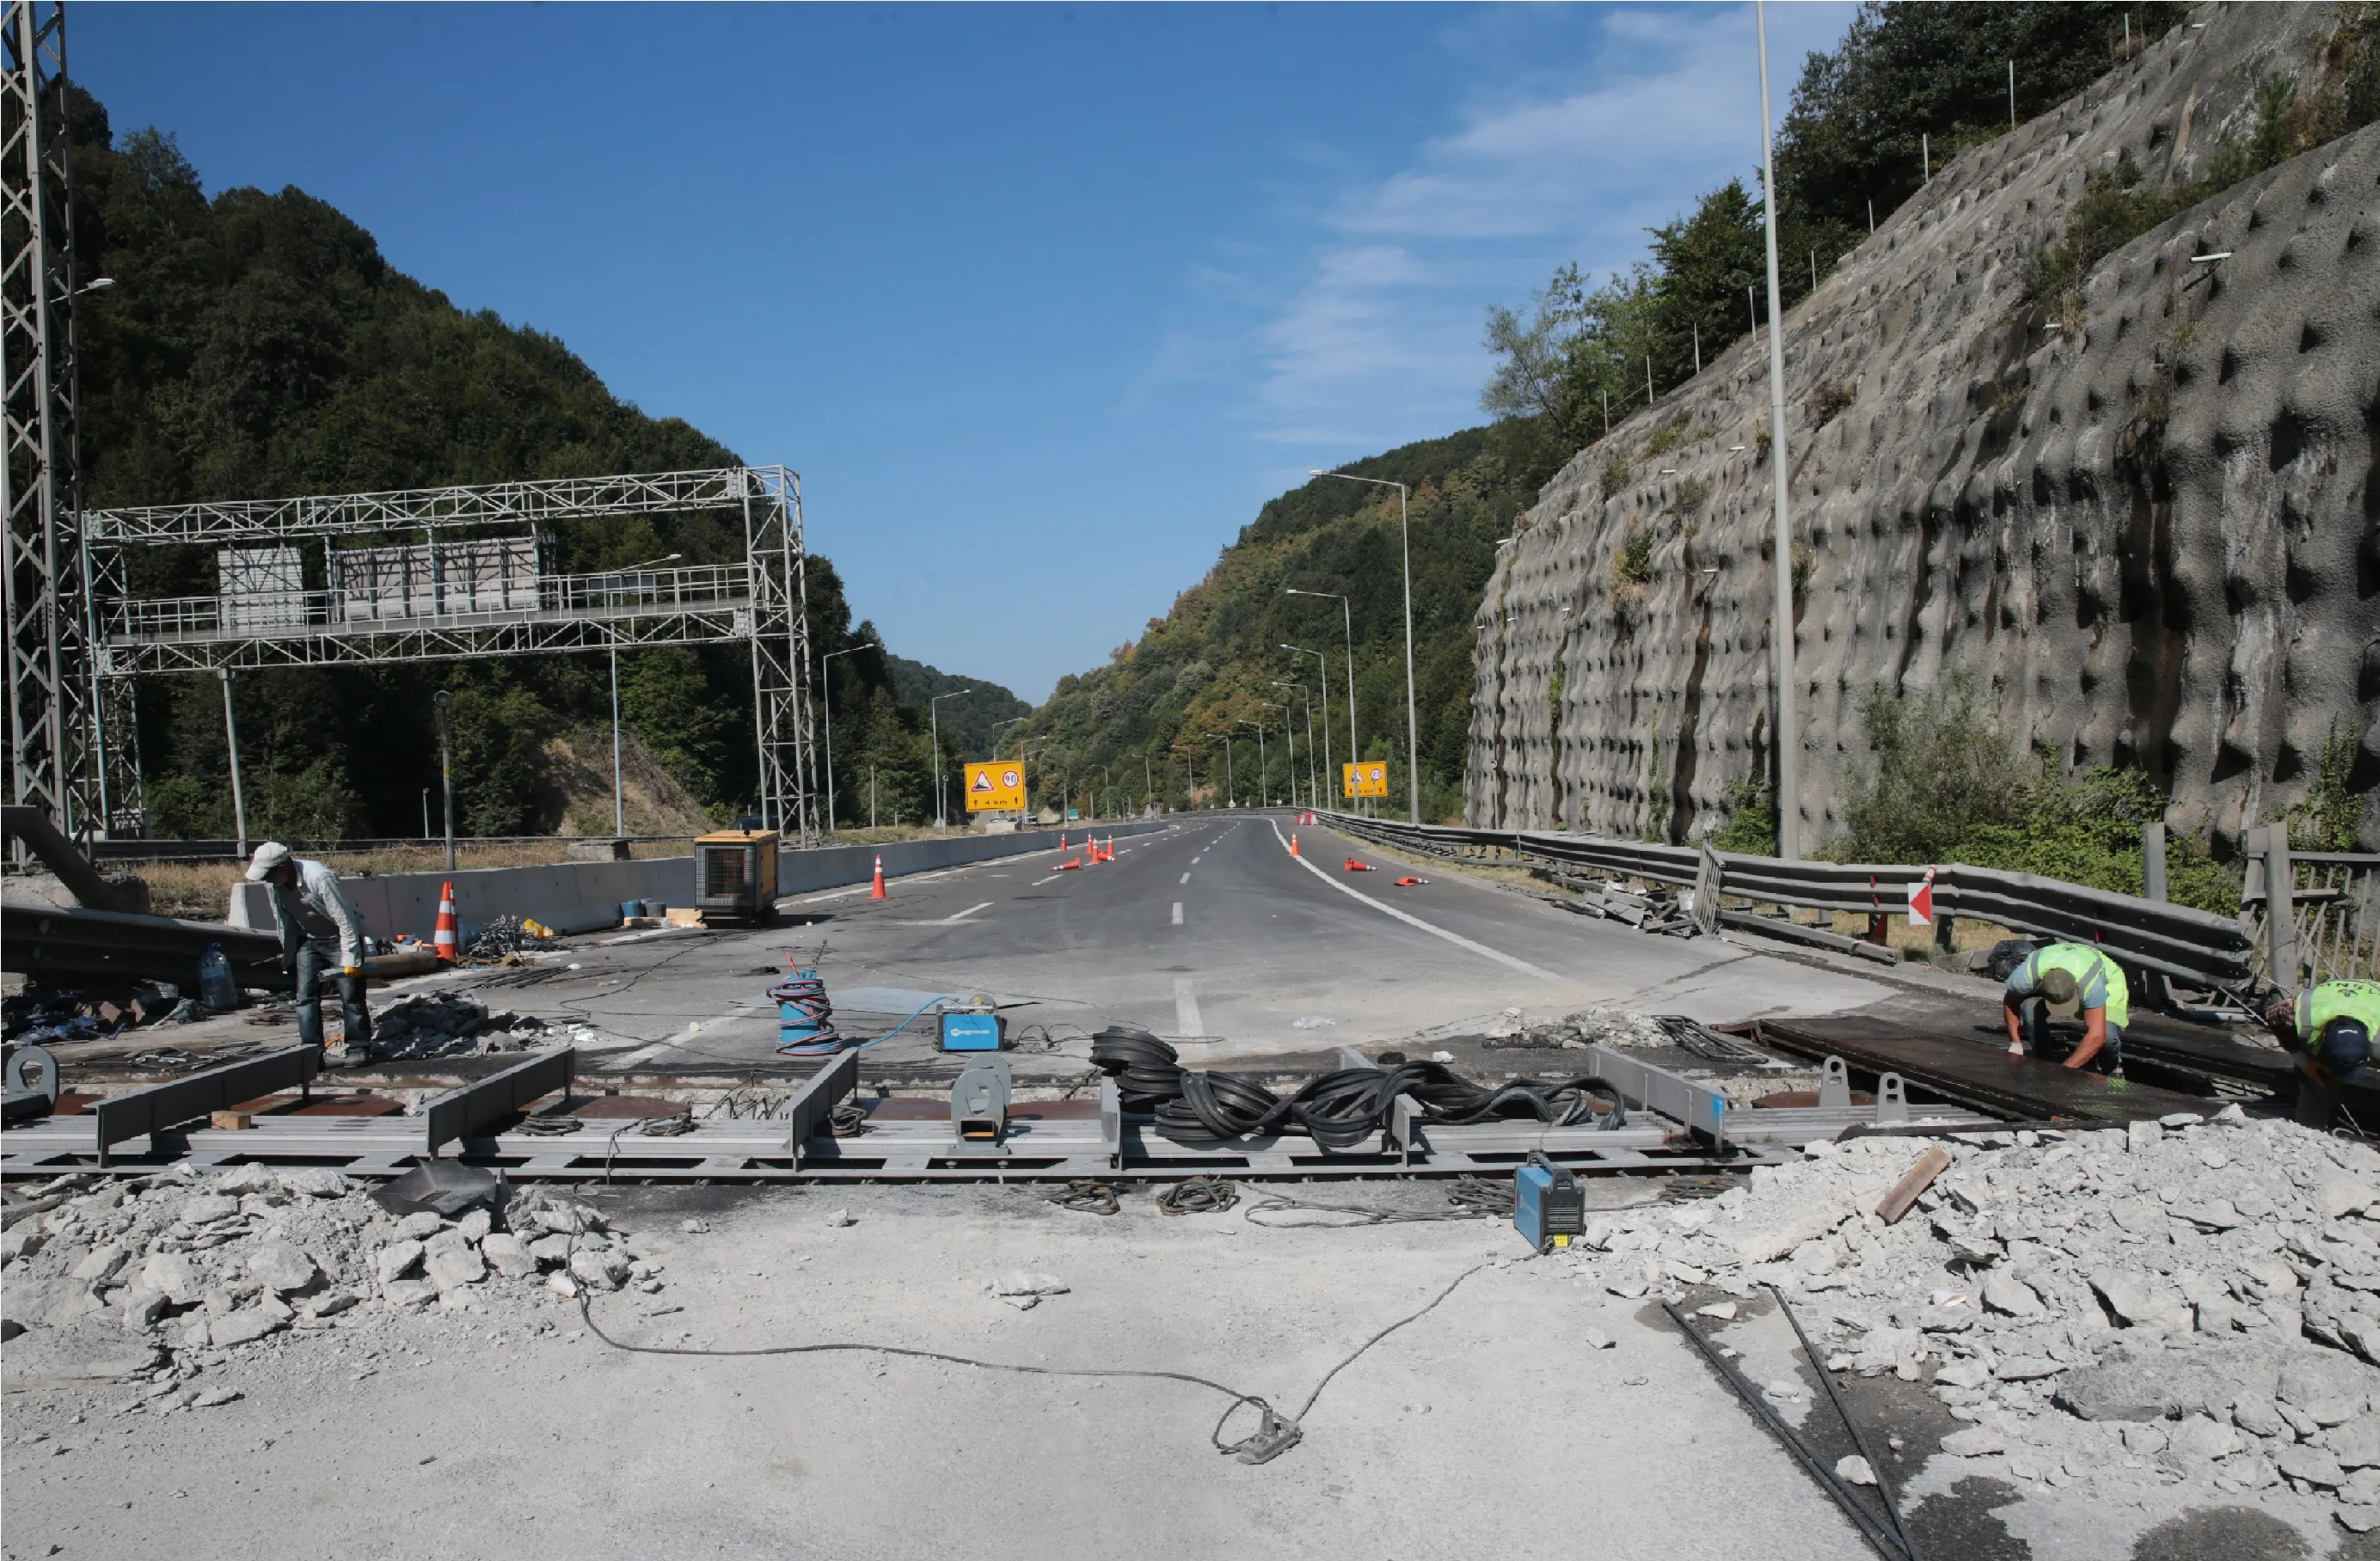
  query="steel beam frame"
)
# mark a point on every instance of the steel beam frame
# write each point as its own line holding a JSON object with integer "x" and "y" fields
{"x": 760, "y": 602}
{"x": 56, "y": 745}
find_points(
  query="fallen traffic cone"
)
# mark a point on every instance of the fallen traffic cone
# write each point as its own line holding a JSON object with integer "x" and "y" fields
{"x": 1293, "y": 842}
{"x": 1075, "y": 862}
{"x": 1408, "y": 883}
{"x": 1355, "y": 866}
{"x": 446, "y": 938}
{"x": 876, "y": 892}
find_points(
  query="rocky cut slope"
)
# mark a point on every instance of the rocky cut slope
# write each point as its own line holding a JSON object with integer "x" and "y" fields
{"x": 2149, "y": 524}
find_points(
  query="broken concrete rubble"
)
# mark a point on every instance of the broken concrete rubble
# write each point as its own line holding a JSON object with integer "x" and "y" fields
{"x": 2217, "y": 1284}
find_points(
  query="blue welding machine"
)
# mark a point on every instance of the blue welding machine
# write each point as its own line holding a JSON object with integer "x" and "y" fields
{"x": 1548, "y": 1206}
{"x": 970, "y": 1029}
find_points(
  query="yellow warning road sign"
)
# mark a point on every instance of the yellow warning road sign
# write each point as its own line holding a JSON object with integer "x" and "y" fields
{"x": 1369, "y": 779}
{"x": 996, "y": 787}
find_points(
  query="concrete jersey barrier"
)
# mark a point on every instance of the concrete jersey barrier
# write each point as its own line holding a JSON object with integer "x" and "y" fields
{"x": 586, "y": 896}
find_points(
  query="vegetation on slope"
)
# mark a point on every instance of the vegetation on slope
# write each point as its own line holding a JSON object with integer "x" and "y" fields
{"x": 1184, "y": 701}
{"x": 258, "y": 345}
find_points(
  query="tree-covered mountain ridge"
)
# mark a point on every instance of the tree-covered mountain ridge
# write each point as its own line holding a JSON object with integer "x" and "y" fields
{"x": 258, "y": 345}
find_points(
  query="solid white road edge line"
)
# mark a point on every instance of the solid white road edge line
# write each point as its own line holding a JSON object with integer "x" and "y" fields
{"x": 1186, "y": 1008}
{"x": 1455, "y": 938}
{"x": 1177, "y": 913}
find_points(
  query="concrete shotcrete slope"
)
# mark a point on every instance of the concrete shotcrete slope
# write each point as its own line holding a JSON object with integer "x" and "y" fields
{"x": 2154, "y": 532}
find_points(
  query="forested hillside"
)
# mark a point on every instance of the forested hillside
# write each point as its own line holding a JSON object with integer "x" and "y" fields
{"x": 1911, "y": 85}
{"x": 974, "y": 719}
{"x": 258, "y": 345}
{"x": 1163, "y": 707}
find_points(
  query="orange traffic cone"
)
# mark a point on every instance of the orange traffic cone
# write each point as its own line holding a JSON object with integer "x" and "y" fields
{"x": 1062, "y": 840}
{"x": 1293, "y": 842}
{"x": 876, "y": 892}
{"x": 448, "y": 938}
{"x": 1355, "y": 866}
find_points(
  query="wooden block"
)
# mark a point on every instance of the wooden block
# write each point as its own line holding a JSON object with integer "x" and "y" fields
{"x": 1931, "y": 1164}
{"x": 234, "y": 1120}
{"x": 685, "y": 915}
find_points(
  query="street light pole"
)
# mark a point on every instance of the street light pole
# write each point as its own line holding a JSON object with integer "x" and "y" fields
{"x": 1230, "y": 783}
{"x": 231, "y": 739}
{"x": 1781, "y": 633}
{"x": 1313, "y": 778}
{"x": 444, "y": 700}
{"x": 1264, "y": 777}
{"x": 1288, "y": 735}
{"x": 1405, "y": 535}
{"x": 934, "y": 719}
{"x": 1321, "y": 681}
{"x": 826, "y": 702}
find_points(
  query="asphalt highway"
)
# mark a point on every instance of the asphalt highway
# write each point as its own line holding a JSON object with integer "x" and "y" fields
{"x": 1209, "y": 933}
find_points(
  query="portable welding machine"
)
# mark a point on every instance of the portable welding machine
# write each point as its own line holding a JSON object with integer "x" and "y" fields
{"x": 973, "y": 1025}
{"x": 1549, "y": 1205}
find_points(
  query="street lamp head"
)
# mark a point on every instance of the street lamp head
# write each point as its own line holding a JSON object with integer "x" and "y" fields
{"x": 1316, "y": 471}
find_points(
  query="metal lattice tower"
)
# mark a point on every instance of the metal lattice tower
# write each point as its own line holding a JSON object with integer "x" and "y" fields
{"x": 456, "y": 574}
{"x": 57, "y": 753}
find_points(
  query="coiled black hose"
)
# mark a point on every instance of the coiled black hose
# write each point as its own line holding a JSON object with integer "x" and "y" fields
{"x": 1202, "y": 1109}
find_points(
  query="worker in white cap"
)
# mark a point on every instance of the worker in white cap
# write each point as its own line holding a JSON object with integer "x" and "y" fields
{"x": 321, "y": 930}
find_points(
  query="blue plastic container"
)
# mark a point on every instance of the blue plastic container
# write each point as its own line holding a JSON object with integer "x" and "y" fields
{"x": 217, "y": 987}
{"x": 631, "y": 909}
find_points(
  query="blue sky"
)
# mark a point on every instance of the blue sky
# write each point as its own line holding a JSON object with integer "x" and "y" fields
{"x": 1043, "y": 301}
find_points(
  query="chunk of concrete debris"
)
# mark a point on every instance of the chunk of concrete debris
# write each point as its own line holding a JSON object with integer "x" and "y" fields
{"x": 1976, "y": 1441}
{"x": 2343, "y": 1193}
{"x": 2006, "y": 1292}
{"x": 172, "y": 1275}
{"x": 281, "y": 1267}
{"x": 450, "y": 1267}
{"x": 208, "y": 1207}
{"x": 694, "y": 1226}
{"x": 215, "y": 1398}
{"x": 1855, "y": 1470}
{"x": 509, "y": 1255}
{"x": 841, "y": 1217}
{"x": 1025, "y": 1291}
{"x": 2310, "y": 1466}
{"x": 1721, "y": 1311}
{"x": 475, "y": 1225}
{"x": 406, "y": 1294}
{"x": 313, "y": 1181}
{"x": 601, "y": 1270}
{"x": 396, "y": 1260}
{"x": 420, "y": 1225}
{"x": 245, "y": 1327}
{"x": 1595, "y": 1339}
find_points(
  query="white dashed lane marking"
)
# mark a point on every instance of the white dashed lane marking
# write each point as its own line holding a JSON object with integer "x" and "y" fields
{"x": 1186, "y": 878}
{"x": 1177, "y": 913}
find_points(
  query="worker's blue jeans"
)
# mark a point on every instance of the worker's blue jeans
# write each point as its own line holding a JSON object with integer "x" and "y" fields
{"x": 315, "y": 960}
{"x": 2032, "y": 1023}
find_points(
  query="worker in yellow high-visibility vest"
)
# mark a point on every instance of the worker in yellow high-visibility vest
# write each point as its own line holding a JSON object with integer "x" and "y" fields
{"x": 2330, "y": 1027}
{"x": 2054, "y": 977}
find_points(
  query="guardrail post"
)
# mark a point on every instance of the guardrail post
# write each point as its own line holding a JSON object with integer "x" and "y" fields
{"x": 2152, "y": 983}
{"x": 2280, "y": 914}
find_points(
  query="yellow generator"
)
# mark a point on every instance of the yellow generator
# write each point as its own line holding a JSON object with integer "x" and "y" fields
{"x": 736, "y": 876}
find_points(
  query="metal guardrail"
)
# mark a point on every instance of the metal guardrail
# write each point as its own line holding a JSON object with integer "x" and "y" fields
{"x": 2312, "y": 915}
{"x": 139, "y": 850}
{"x": 71, "y": 944}
{"x": 2155, "y": 935}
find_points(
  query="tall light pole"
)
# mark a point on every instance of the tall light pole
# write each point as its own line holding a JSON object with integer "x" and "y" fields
{"x": 1288, "y": 735}
{"x": 1412, "y": 732}
{"x": 444, "y": 701}
{"x": 934, "y": 718}
{"x": 826, "y": 701}
{"x": 1780, "y": 634}
{"x": 1313, "y": 781}
{"x": 1230, "y": 781}
{"x": 239, "y": 797}
{"x": 1264, "y": 796}
{"x": 1321, "y": 681}
{"x": 619, "y": 793}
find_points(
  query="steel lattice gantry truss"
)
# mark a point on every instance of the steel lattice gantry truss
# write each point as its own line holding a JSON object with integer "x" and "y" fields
{"x": 54, "y": 763}
{"x": 469, "y": 580}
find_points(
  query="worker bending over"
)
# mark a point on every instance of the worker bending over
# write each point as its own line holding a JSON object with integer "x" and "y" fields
{"x": 2066, "y": 974}
{"x": 2330, "y": 1027}
{"x": 320, "y": 929}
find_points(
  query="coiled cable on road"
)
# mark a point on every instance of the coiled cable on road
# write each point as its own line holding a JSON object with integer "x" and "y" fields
{"x": 805, "y": 1027}
{"x": 1199, "y": 1194}
{"x": 1087, "y": 1197}
{"x": 1201, "y": 1108}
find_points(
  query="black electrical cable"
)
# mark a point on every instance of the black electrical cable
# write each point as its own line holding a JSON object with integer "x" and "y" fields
{"x": 1087, "y": 1197}
{"x": 1199, "y": 1194}
{"x": 1273, "y": 1436}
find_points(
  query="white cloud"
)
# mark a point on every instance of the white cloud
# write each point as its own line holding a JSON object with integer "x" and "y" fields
{"x": 1381, "y": 341}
